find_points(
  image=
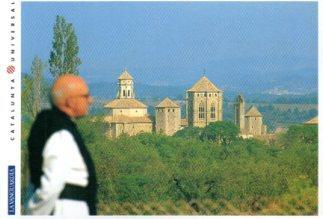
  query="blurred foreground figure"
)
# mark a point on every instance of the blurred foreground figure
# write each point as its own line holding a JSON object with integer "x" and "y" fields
{"x": 62, "y": 174}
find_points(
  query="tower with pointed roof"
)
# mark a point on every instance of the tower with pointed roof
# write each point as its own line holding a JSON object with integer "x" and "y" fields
{"x": 203, "y": 103}
{"x": 253, "y": 122}
{"x": 126, "y": 89}
{"x": 125, "y": 114}
{"x": 240, "y": 113}
{"x": 168, "y": 117}
{"x": 250, "y": 123}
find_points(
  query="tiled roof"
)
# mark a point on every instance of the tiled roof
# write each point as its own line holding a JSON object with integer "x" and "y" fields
{"x": 127, "y": 119}
{"x": 204, "y": 85}
{"x": 167, "y": 103}
{"x": 125, "y": 104}
{"x": 313, "y": 121}
{"x": 253, "y": 112}
{"x": 125, "y": 75}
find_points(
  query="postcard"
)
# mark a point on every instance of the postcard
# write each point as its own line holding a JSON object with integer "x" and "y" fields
{"x": 159, "y": 108}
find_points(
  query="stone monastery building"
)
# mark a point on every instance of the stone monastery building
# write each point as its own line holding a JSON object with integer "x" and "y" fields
{"x": 250, "y": 123}
{"x": 204, "y": 102}
{"x": 125, "y": 113}
{"x": 168, "y": 117}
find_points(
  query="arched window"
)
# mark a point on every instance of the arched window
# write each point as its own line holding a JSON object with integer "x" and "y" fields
{"x": 212, "y": 111}
{"x": 128, "y": 93}
{"x": 124, "y": 93}
{"x": 201, "y": 111}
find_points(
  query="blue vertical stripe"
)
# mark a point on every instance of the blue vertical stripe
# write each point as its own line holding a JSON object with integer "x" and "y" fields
{"x": 11, "y": 190}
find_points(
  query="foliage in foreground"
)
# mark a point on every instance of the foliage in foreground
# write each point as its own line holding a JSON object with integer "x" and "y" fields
{"x": 249, "y": 175}
{"x": 155, "y": 168}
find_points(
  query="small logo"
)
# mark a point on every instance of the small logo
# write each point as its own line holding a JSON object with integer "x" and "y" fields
{"x": 11, "y": 190}
{"x": 10, "y": 69}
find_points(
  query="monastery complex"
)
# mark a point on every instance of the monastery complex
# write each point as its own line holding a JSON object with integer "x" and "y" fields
{"x": 204, "y": 101}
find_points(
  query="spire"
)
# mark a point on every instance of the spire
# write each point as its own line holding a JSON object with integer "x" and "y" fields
{"x": 125, "y": 75}
{"x": 204, "y": 85}
{"x": 126, "y": 88}
{"x": 253, "y": 112}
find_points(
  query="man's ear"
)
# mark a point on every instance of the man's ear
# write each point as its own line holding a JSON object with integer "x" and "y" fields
{"x": 69, "y": 102}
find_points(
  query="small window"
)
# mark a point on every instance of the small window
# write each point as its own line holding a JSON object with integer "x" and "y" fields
{"x": 209, "y": 95}
{"x": 205, "y": 95}
{"x": 124, "y": 93}
{"x": 173, "y": 110}
{"x": 168, "y": 110}
{"x": 198, "y": 95}
{"x": 128, "y": 93}
{"x": 201, "y": 111}
{"x": 212, "y": 112}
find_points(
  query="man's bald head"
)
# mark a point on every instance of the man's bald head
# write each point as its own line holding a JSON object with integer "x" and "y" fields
{"x": 66, "y": 86}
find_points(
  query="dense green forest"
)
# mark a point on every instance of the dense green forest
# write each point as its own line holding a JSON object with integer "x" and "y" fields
{"x": 252, "y": 176}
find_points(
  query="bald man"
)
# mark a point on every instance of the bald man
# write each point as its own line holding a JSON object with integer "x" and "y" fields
{"x": 62, "y": 174}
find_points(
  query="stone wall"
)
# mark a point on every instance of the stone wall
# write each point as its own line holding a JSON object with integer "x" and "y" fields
{"x": 168, "y": 120}
{"x": 139, "y": 112}
{"x": 253, "y": 125}
{"x": 116, "y": 129}
{"x": 207, "y": 100}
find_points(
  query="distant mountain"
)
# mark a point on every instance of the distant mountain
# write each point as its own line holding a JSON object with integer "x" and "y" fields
{"x": 107, "y": 90}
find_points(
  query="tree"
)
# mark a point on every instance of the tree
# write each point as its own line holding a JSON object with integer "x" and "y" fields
{"x": 64, "y": 54}
{"x": 33, "y": 88}
{"x": 223, "y": 132}
{"x": 26, "y": 95}
{"x": 189, "y": 133}
{"x": 37, "y": 69}
{"x": 307, "y": 134}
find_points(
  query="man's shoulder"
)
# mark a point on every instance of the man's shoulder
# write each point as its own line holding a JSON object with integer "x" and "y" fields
{"x": 46, "y": 113}
{"x": 50, "y": 119}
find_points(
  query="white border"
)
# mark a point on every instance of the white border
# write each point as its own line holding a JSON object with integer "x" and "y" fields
{"x": 10, "y": 153}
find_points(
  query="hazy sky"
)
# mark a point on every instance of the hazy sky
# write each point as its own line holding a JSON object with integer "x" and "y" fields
{"x": 172, "y": 42}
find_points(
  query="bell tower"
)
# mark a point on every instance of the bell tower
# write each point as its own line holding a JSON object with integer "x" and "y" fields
{"x": 240, "y": 113}
{"x": 126, "y": 88}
